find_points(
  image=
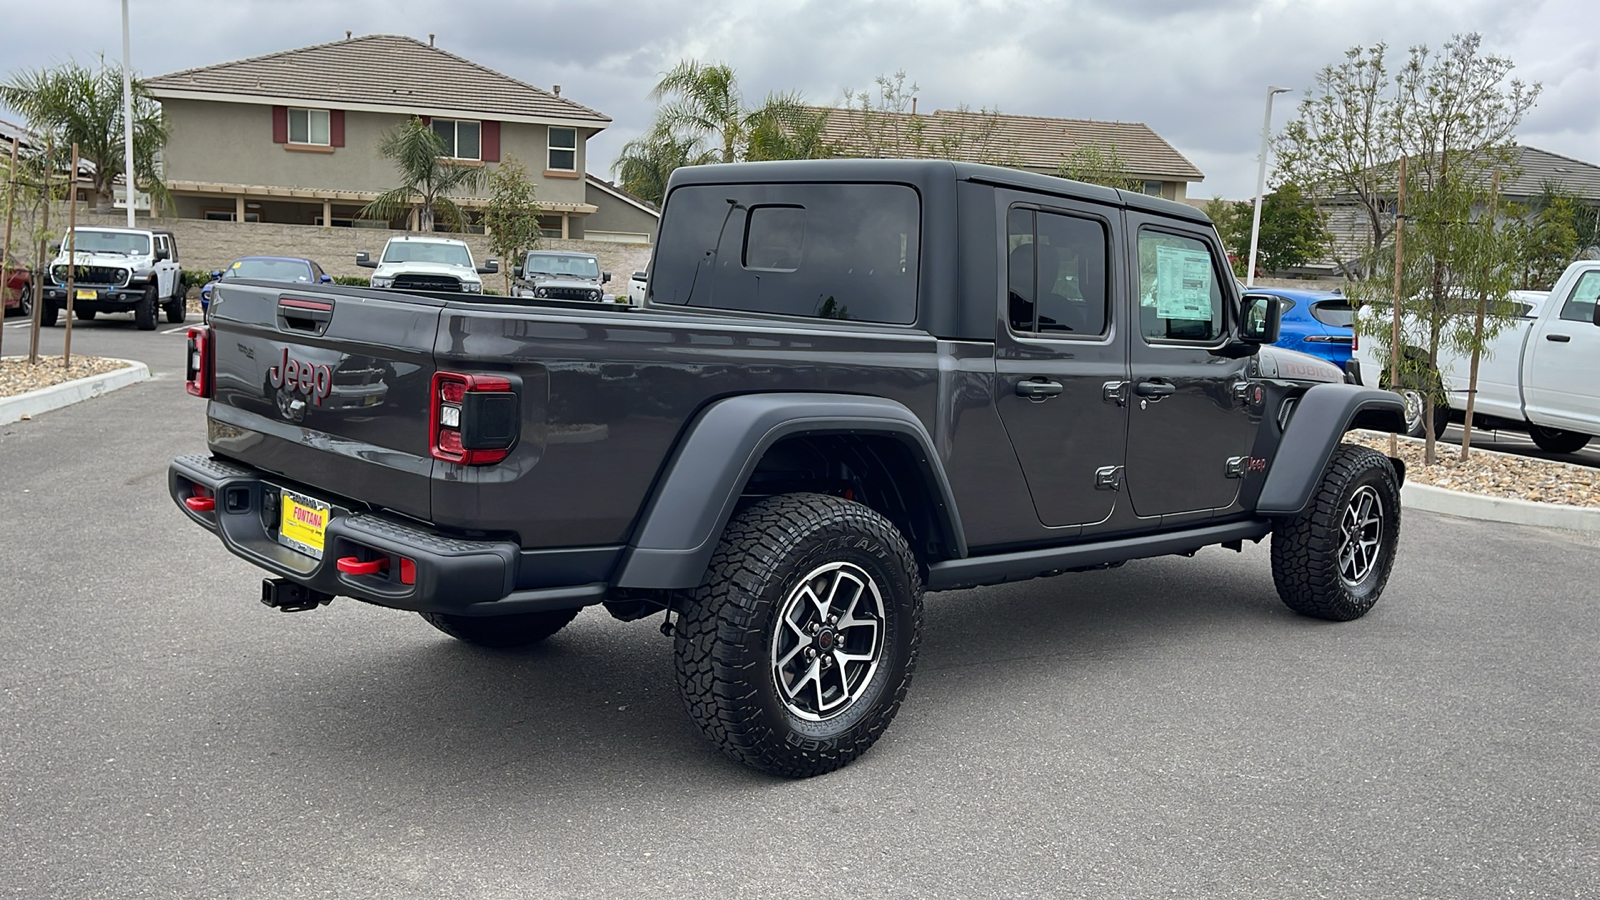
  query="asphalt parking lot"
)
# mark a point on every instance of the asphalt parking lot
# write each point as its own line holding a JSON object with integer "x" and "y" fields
{"x": 1166, "y": 729}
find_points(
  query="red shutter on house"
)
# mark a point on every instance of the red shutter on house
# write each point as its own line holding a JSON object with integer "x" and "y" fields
{"x": 336, "y": 127}
{"x": 490, "y": 147}
{"x": 280, "y": 124}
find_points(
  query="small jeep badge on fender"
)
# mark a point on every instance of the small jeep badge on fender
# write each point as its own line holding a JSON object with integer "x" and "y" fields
{"x": 315, "y": 381}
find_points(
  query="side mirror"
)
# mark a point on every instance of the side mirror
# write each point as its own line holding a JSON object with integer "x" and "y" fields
{"x": 516, "y": 271}
{"x": 1597, "y": 313}
{"x": 327, "y": 279}
{"x": 55, "y": 246}
{"x": 365, "y": 261}
{"x": 605, "y": 277}
{"x": 489, "y": 267}
{"x": 1260, "y": 316}
{"x": 216, "y": 276}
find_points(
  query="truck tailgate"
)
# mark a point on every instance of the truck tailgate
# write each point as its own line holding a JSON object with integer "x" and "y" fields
{"x": 328, "y": 388}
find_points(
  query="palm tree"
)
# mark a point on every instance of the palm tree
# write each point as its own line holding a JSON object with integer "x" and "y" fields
{"x": 787, "y": 130}
{"x": 83, "y": 106}
{"x": 647, "y": 162}
{"x": 705, "y": 101}
{"x": 428, "y": 178}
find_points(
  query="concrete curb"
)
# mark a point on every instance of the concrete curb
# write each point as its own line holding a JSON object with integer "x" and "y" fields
{"x": 43, "y": 400}
{"x": 1499, "y": 509}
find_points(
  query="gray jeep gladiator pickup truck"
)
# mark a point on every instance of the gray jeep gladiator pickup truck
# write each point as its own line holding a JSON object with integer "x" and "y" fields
{"x": 851, "y": 382}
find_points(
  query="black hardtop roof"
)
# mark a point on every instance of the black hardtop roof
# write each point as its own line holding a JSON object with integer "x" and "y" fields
{"x": 918, "y": 171}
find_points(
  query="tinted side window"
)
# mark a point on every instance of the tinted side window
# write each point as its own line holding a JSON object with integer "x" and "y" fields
{"x": 1180, "y": 298}
{"x": 1056, "y": 273}
{"x": 1580, "y": 306}
{"x": 1334, "y": 313}
{"x": 840, "y": 251}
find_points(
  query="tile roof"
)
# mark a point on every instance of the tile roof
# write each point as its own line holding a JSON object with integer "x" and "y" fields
{"x": 1029, "y": 142}
{"x": 1539, "y": 167}
{"x": 378, "y": 70}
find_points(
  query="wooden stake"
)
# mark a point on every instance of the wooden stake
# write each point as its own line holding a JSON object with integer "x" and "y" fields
{"x": 72, "y": 255}
{"x": 1399, "y": 262}
{"x": 1477, "y": 335}
{"x": 44, "y": 261}
{"x": 11, "y": 198}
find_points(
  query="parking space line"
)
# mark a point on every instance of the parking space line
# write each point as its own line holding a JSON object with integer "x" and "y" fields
{"x": 182, "y": 328}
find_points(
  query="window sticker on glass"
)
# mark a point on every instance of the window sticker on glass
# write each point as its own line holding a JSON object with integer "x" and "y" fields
{"x": 1183, "y": 283}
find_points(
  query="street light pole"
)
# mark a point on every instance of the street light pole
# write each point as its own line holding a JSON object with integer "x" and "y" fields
{"x": 1261, "y": 185}
{"x": 127, "y": 116}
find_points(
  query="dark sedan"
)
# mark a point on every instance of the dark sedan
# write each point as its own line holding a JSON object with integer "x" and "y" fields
{"x": 267, "y": 268}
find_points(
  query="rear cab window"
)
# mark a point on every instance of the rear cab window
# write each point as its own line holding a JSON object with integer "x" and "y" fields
{"x": 818, "y": 250}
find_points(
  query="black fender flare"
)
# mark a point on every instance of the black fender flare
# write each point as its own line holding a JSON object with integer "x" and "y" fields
{"x": 1322, "y": 415}
{"x": 701, "y": 483}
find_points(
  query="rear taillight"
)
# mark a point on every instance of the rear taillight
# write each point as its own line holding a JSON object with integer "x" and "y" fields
{"x": 475, "y": 418}
{"x": 200, "y": 366}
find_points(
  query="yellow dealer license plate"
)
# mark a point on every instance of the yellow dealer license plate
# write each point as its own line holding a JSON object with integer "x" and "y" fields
{"x": 304, "y": 523}
{"x": 86, "y": 294}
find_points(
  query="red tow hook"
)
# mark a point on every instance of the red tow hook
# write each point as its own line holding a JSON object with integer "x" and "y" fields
{"x": 350, "y": 565}
{"x": 200, "y": 504}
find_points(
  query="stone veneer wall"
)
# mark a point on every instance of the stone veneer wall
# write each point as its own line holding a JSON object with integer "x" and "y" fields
{"x": 208, "y": 246}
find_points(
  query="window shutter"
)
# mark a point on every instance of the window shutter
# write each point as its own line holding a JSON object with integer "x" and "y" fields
{"x": 280, "y": 124}
{"x": 336, "y": 128}
{"x": 427, "y": 120}
{"x": 489, "y": 136}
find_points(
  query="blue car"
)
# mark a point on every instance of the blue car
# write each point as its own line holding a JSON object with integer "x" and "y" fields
{"x": 266, "y": 268}
{"x": 1316, "y": 322}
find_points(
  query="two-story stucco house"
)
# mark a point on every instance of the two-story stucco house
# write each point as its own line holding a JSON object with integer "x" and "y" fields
{"x": 292, "y": 137}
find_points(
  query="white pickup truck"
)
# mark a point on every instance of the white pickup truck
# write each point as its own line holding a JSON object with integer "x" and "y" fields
{"x": 1541, "y": 374}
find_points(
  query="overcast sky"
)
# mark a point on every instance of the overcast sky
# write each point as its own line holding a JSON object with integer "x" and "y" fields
{"x": 1196, "y": 71}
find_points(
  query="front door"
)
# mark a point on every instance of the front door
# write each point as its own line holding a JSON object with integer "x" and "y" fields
{"x": 1058, "y": 348}
{"x": 1564, "y": 362}
{"x": 1188, "y": 415}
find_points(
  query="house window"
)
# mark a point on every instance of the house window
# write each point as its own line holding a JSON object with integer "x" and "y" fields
{"x": 463, "y": 138}
{"x": 564, "y": 149}
{"x": 308, "y": 126}
{"x": 1153, "y": 188}
{"x": 227, "y": 215}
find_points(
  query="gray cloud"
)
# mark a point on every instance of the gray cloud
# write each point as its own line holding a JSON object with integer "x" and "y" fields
{"x": 1196, "y": 72}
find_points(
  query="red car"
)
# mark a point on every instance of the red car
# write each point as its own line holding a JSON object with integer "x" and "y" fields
{"x": 16, "y": 291}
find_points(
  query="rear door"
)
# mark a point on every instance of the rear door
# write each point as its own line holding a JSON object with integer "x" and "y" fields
{"x": 1188, "y": 420}
{"x": 327, "y": 388}
{"x": 1061, "y": 356}
{"x": 1562, "y": 378}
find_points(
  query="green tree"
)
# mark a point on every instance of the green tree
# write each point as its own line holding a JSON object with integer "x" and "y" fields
{"x": 884, "y": 125}
{"x": 511, "y": 215}
{"x": 1453, "y": 115}
{"x": 1547, "y": 236}
{"x": 703, "y": 100}
{"x": 428, "y": 177}
{"x": 1292, "y": 232}
{"x": 1097, "y": 164}
{"x": 83, "y": 106}
{"x": 791, "y": 133}
{"x": 647, "y": 162}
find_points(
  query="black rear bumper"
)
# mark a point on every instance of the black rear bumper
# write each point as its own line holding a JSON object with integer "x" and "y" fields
{"x": 451, "y": 575}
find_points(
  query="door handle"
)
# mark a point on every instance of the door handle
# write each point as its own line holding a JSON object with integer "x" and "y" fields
{"x": 1154, "y": 389}
{"x": 1038, "y": 390}
{"x": 1558, "y": 338}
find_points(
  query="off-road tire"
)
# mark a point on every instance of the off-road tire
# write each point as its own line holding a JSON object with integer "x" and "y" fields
{"x": 501, "y": 632}
{"x": 177, "y": 308}
{"x": 49, "y": 313}
{"x": 730, "y": 634}
{"x": 144, "y": 312}
{"x": 1553, "y": 440}
{"x": 86, "y": 315}
{"x": 1307, "y": 567}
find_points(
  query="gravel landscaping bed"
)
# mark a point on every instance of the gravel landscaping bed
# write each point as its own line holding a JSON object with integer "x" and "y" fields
{"x": 17, "y": 377}
{"x": 1494, "y": 474}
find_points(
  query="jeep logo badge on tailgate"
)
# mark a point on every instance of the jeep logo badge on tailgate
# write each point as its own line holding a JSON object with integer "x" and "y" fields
{"x": 315, "y": 381}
